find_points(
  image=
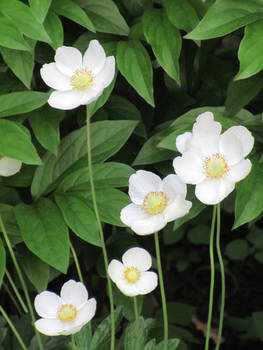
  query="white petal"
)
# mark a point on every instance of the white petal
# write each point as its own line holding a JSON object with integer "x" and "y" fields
{"x": 177, "y": 208}
{"x": 49, "y": 327}
{"x": 68, "y": 60}
{"x": 106, "y": 75}
{"x": 151, "y": 224}
{"x": 74, "y": 293}
{"x": 54, "y": 78}
{"x": 9, "y": 166}
{"x": 141, "y": 183}
{"x": 132, "y": 212}
{"x": 89, "y": 95}
{"x": 47, "y": 304}
{"x": 244, "y": 136}
{"x": 231, "y": 148}
{"x": 174, "y": 186}
{"x": 66, "y": 99}
{"x": 189, "y": 168}
{"x": 71, "y": 330}
{"x": 147, "y": 282}
{"x": 214, "y": 191}
{"x": 127, "y": 288}
{"x": 137, "y": 257}
{"x": 116, "y": 270}
{"x": 87, "y": 312}
{"x": 240, "y": 170}
{"x": 94, "y": 57}
{"x": 183, "y": 142}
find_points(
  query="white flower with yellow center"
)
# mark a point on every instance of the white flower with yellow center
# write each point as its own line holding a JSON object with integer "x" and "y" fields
{"x": 155, "y": 202}
{"x": 131, "y": 276}
{"x": 78, "y": 81}
{"x": 9, "y": 166}
{"x": 65, "y": 314}
{"x": 213, "y": 162}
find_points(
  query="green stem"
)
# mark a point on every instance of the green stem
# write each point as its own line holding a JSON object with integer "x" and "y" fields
{"x": 13, "y": 328}
{"x": 73, "y": 342}
{"x": 212, "y": 281}
{"x": 23, "y": 284}
{"x": 223, "y": 284}
{"x": 16, "y": 291}
{"x": 76, "y": 262}
{"x": 160, "y": 273}
{"x": 136, "y": 314}
{"x": 103, "y": 245}
{"x": 20, "y": 311}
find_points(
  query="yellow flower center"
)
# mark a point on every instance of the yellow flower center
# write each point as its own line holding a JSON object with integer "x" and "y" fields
{"x": 154, "y": 203}
{"x": 132, "y": 274}
{"x": 67, "y": 312}
{"x": 215, "y": 166}
{"x": 82, "y": 79}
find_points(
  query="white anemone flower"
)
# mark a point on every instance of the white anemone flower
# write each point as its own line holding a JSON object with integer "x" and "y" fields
{"x": 213, "y": 162}
{"x": 78, "y": 81}
{"x": 65, "y": 314}
{"x": 155, "y": 202}
{"x": 131, "y": 276}
{"x": 9, "y": 166}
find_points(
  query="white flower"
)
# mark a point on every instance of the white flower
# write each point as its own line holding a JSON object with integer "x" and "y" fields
{"x": 78, "y": 81}
{"x": 213, "y": 162}
{"x": 9, "y": 166}
{"x": 64, "y": 314}
{"x": 155, "y": 202}
{"x": 131, "y": 276}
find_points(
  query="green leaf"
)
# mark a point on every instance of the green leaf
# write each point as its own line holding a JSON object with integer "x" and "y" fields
{"x": 46, "y": 233}
{"x": 13, "y": 38}
{"x": 130, "y": 335}
{"x": 107, "y": 137}
{"x": 225, "y": 16}
{"x": 105, "y": 16}
{"x": 249, "y": 191}
{"x": 135, "y": 65}
{"x": 54, "y": 28}
{"x": 83, "y": 337}
{"x": 40, "y": 8}
{"x": 199, "y": 234}
{"x": 79, "y": 217}
{"x": 150, "y": 345}
{"x": 21, "y": 63}
{"x": 15, "y": 143}
{"x": 25, "y": 19}
{"x": 21, "y": 102}
{"x": 172, "y": 344}
{"x": 255, "y": 237}
{"x": 237, "y": 249}
{"x": 2, "y": 261}
{"x": 158, "y": 32}
{"x": 71, "y": 10}
{"x": 250, "y": 50}
{"x": 258, "y": 321}
{"x": 8, "y": 217}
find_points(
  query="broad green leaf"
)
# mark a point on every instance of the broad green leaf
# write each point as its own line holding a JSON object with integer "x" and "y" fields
{"x": 9, "y": 195}
{"x": 71, "y": 10}
{"x": 135, "y": 65}
{"x": 21, "y": 179}
{"x": 13, "y": 38}
{"x": 250, "y": 50}
{"x": 165, "y": 41}
{"x": 258, "y": 321}
{"x": 15, "y": 143}
{"x": 150, "y": 345}
{"x": 255, "y": 237}
{"x": 107, "y": 137}
{"x": 21, "y": 63}
{"x": 25, "y": 19}
{"x": 45, "y": 124}
{"x": 40, "y": 8}
{"x": 105, "y": 16}
{"x": 130, "y": 335}
{"x": 199, "y": 234}
{"x": 79, "y": 217}
{"x": 46, "y": 233}
{"x": 2, "y": 261}
{"x": 237, "y": 249}
{"x": 225, "y": 16}
{"x": 21, "y": 102}
{"x": 249, "y": 202}
{"x": 8, "y": 217}
{"x": 172, "y": 344}
{"x": 83, "y": 337}
{"x": 54, "y": 28}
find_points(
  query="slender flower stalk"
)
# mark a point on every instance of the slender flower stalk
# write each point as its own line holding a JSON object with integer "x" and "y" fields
{"x": 160, "y": 273}
{"x": 73, "y": 342}
{"x": 223, "y": 284}
{"x": 20, "y": 311}
{"x": 16, "y": 291}
{"x": 96, "y": 211}
{"x": 212, "y": 279}
{"x": 76, "y": 262}
{"x": 20, "y": 276}
{"x": 136, "y": 314}
{"x": 11, "y": 325}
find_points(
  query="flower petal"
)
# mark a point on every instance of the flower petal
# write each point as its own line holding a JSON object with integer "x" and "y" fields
{"x": 87, "y": 312}
{"x": 47, "y": 304}
{"x": 231, "y": 148}
{"x": 147, "y": 283}
{"x": 49, "y": 327}
{"x": 89, "y": 95}
{"x": 213, "y": 191}
{"x": 94, "y": 57}
{"x": 137, "y": 257}
{"x": 127, "y": 288}
{"x": 240, "y": 170}
{"x": 54, "y": 78}
{"x": 74, "y": 293}
{"x": 132, "y": 212}
{"x": 70, "y": 329}
{"x": 116, "y": 270}
{"x": 244, "y": 136}
{"x": 141, "y": 183}
{"x": 189, "y": 168}
{"x": 174, "y": 186}
{"x": 151, "y": 224}
{"x": 68, "y": 59}
{"x": 9, "y": 166}
{"x": 66, "y": 99}
{"x": 183, "y": 142}
{"x": 106, "y": 75}
{"x": 177, "y": 208}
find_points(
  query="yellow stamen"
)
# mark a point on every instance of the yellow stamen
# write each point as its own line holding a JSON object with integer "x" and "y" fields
{"x": 132, "y": 274}
{"x": 215, "y": 166}
{"x": 154, "y": 203}
{"x": 82, "y": 79}
{"x": 67, "y": 312}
